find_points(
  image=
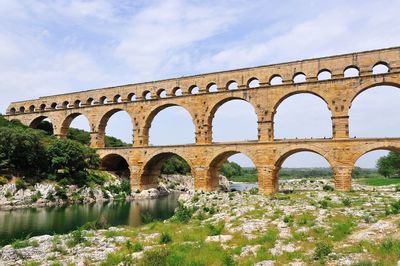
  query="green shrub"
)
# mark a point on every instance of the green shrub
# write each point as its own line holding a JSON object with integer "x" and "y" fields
{"x": 76, "y": 237}
{"x": 3, "y": 180}
{"x": 35, "y": 197}
{"x": 146, "y": 217}
{"x": 288, "y": 219}
{"x": 253, "y": 191}
{"x": 346, "y": 202}
{"x": 136, "y": 247}
{"x": 183, "y": 214}
{"x": 395, "y": 207}
{"x": 327, "y": 188}
{"x": 322, "y": 250}
{"x": 23, "y": 243}
{"x": 324, "y": 204}
{"x": 61, "y": 192}
{"x": 156, "y": 257}
{"x": 20, "y": 184}
{"x": 165, "y": 238}
{"x": 228, "y": 260}
{"x": 214, "y": 230}
{"x": 270, "y": 236}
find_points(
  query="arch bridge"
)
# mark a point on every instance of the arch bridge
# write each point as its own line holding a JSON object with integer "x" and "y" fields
{"x": 337, "y": 80}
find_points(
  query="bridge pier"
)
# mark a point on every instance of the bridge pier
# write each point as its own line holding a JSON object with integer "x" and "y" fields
{"x": 343, "y": 177}
{"x": 268, "y": 179}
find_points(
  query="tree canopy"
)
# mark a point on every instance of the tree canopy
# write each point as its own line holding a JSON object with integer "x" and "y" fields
{"x": 389, "y": 165}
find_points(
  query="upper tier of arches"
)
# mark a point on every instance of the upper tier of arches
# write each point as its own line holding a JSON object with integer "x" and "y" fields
{"x": 321, "y": 70}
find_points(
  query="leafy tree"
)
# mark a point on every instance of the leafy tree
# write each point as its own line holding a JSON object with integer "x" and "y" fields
{"x": 70, "y": 160}
{"x": 175, "y": 165}
{"x": 231, "y": 169}
{"x": 389, "y": 165}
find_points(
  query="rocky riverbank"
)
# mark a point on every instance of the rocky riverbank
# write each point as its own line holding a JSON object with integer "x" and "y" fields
{"x": 52, "y": 194}
{"x": 239, "y": 228}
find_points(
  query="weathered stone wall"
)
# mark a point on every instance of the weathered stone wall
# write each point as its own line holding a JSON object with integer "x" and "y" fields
{"x": 206, "y": 157}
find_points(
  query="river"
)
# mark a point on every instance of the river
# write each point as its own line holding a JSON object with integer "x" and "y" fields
{"x": 20, "y": 223}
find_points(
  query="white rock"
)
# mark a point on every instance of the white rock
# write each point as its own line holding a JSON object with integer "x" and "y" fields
{"x": 265, "y": 263}
{"x": 219, "y": 238}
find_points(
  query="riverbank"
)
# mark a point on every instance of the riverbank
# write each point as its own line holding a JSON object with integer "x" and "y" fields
{"x": 52, "y": 194}
{"x": 239, "y": 228}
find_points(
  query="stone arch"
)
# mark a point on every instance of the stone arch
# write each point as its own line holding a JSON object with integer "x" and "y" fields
{"x": 276, "y": 80}
{"x": 153, "y": 113}
{"x": 103, "y": 100}
{"x": 177, "y": 91}
{"x": 152, "y": 169}
{"x": 232, "y": 85}
{"x": 324, "y": 74}
{"x": 380, "y": 67}
{"x": 22, "y": 109}
{"x": 32, "y": 108}
{"x": 13, "y": 111}
{"x": 364, "y": 149}
{"x": 147, "y": 95}
{"x": 212, "y": 87}
{"x": 67, "y": 123}
{"x": 194, "y": 89}
{"x": 77, "y": 103}
{"x": 132, "y": 97}
{"x": 36, "y": 124}
{"x": 103, "y": 124}
{"x": 162, "y": 93}
{"x": 215, "y": 108}
{"x": 293, "y": 93}
{"x": 215, "y": 165}
{"x": 116, "y": 164}
{"x": 351, "y": 71}
{"x": 253, "y": 82}
{"x": 354, "y": 116}
{"x": 65, "y": 104}
{"x": 54, "y": 106}
{"x": 299, "y": 77}
{"x": 117, "y": 99}
{"x": 42, "y": 107}
{"x": 290, "y": 151}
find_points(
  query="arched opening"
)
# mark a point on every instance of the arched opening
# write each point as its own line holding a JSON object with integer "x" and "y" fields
{"x": 324, "y": 74}
{"x": 147, "y": 95}
{"x": 232, "y": 85}
{"x": 22, "y": 109}
{"x": 177, "y": 91}
{"x": 103, "y": 100}
{"x": 235, "y": 167}
{"x": 300, "y": 169}
{"x": 117, "y": 165}
{"x": 351, "y": 71}
{"x": 54, "y": 106}
{"x": 13, "y": 111}
{"x": 131, "y": 97}
{"x": 42, "y": 107}
{"x": 276, "y": 80}
{"x": 380, "y": 68}
{"x": 233, "y": 120}
{"x": 77, "y": 127}
{"x": 43, "y": 123}
{"x": 171, "y": 125}
{"x": 194, "y": 90}
{"x": 90, "y": 101}
{"x": 32, "y": 108}
{"x": 116, "y": 129}
{"x": 162, "y": 93}
{"x": 212, "y": 87}
{"x": 117, "y": 99}
{"x": 377, "y": 168}
{"x": 65, "y": 104}
{"x": 299, "y": 78}
{"x": 164, "y": 167}
{"x": 77, "y": 104}
{"x": 253, "y": 83}
{"x": 302, "y": 115}
{"x": 374, "y": 113}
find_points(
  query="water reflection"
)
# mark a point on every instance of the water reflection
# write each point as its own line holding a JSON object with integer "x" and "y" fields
{"x": 15, "y": 224}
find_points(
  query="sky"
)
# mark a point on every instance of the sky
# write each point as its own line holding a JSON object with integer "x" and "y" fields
{"x": 54, "y": 47}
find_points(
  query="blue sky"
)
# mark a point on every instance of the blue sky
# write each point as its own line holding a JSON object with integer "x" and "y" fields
{"x": 52, "y": 47}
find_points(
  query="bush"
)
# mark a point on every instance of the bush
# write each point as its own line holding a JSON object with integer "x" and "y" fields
{"x": 134, "y": 247}
{"x": 76, "y": 237}
{"x": 23, "y": 243}
{"x": 61, "y": 192}
{"x": 183, "y": 214}
{"x": 253, "y": 191}
{"x": 228, "y": 260}
{"x": 35, "y": 197}
{"x": 154, "y": 257}
{"x": 3, "y": 180}
{"x": 147, "y": 217}
{"x": 346, "y": 202}
{"x": 322, "y": 250}
{"x": 20, "y": 184}
{"x": 327, "y": 188}
{"x": 214, "y": 230}
{"x": 288, "y": 219}
{"x": 165, "y": 238}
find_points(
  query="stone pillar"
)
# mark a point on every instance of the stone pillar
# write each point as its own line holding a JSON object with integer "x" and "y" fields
{"x": 135, "y": 178}
{"x": 268, "y": 179}
{"x": 340, "y": 127}
{"x": 343, "y": 177}
{"x": 265, "y": 130}
{"x": 97, "y": 140}
{"x": 204, "y": 179}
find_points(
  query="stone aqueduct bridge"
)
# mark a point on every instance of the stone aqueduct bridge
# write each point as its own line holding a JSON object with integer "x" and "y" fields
{"x": 143, "y": 101}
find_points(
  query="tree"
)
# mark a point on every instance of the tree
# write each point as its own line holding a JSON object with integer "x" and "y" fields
{"x": 389, "y": 165}
{"x": 231, "y": 169}
{"x": 70, "y": 160}
{"x": 175, "y": 165}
